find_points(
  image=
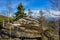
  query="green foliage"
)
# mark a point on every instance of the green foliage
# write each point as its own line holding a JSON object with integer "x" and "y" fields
{"x": 5, "y": 18}
{"x": 20, "y": 13}
{"x": 49, "y": 33}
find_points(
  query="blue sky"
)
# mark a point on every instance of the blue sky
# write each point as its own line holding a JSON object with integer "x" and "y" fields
{"x": 34, "y": 5}
{"x": 28, "y": 4}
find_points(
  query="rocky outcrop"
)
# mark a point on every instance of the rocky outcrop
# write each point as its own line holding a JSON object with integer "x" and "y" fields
{"x": 24, "y": 27}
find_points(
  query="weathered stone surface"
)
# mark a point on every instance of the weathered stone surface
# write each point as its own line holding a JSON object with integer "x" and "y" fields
{"x": 24, "y": 27}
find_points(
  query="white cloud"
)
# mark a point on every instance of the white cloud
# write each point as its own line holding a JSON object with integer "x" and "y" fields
{"x": 35, "y": 13}
{"x": 57, "y": 13}
{"x": 53, "y": 13}
{"x": 47, "y": 14}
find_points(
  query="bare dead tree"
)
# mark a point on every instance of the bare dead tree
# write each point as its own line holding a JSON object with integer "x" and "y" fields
{"x": 42, "y": 23}
{"x": 55, "y": 4}
{"x": 30, "y": 13}
{"x": 9, "y": 9}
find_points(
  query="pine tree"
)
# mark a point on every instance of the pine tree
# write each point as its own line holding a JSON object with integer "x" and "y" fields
{"x": 20, "y": 13}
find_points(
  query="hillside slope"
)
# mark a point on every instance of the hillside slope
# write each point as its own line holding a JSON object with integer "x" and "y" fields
{"x": 5, "y": 18}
